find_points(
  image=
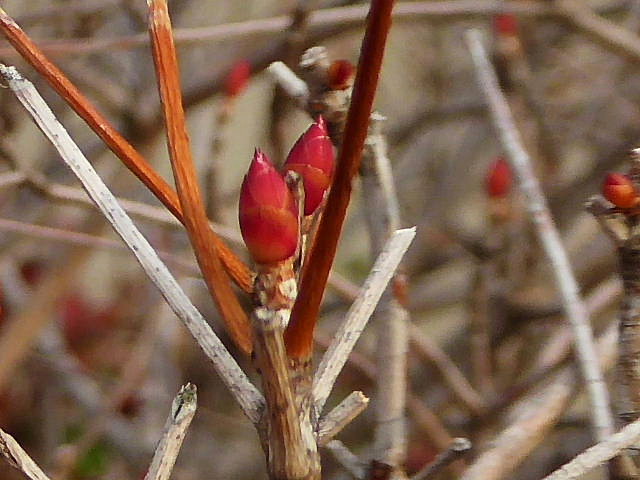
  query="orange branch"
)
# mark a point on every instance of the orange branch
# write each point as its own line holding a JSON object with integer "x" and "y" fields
{"x": 116, "y": 142}
{"x": 299, "y": 333}
{"x": 184, "y": 172}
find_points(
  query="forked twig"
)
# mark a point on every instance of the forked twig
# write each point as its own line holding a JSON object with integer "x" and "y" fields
{"x": 548, "y": 234}
{"x": 184, "y": 172}
{"x": 245, "y": 393}
{"x": 183, "y": 409}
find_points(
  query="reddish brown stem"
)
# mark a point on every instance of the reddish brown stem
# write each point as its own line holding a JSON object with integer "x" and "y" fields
{"x": 132, "y": 159}
{"x": 299, "y": 333}
{"x": 195, "y": 218}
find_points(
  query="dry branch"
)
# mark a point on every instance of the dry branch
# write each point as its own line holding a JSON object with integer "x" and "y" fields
{"x": 18, "y": 458}
{"x": 183, "y": 409}
{"x": 299, "y": 333}
{"x": 548, "y": 235}
{"x": 186, "y": 178}
{"x": 347, "y": 335}
{"x": 243, "y": 390}
{"x": 598, "y": 454}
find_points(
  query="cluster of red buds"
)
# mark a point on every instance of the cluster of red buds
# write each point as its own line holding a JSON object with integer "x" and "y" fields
{"x": 268, "y": 209}
{"x": 499, "y": 178}
{"x": 620, "y": 190}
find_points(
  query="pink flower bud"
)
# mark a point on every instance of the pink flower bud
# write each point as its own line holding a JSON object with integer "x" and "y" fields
{"x": 499, "y": 178}
{"x": 238, "y": 78}
{"x": 313, "y": 158}
{"x": 268, "y": 213}
{"x": 619, "y": 190}
{"x": 341, "y": 74}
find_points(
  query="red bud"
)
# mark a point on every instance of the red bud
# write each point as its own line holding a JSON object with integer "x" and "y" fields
{"x": 499, "y": 178}
{"x": 313, "y": 158}
{"x": 619, "y": 190}
{"x": 268, "y": 213}
{"x": 506, "y": 24}
{"x": 340, "y": 74}
{"x": 238, "y": 78}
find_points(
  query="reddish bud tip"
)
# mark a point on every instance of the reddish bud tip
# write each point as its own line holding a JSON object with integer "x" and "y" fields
{"x": 505, "y": 24}
{"x": 619, "y": 190}
{"x": 499, "y": 178}
{"x": 341, "y": 74}
{"x": 313, "y": 158}
{"x": 268, "y": 213}
{"x": 238, "y": 78}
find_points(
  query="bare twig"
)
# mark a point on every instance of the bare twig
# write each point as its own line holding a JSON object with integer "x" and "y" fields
{"x": 356, "y": 319}
{"x": 598, "y": 454}
{"x": 331, "y": 17}
{"x": 607, "y": 33}
{"x": 293, "y": 85}
{"x": 338, "y": 418}
{"x": 85, "y": 239}
{"x": 243, "y": 390}
{"x": 347, "y": 459}
{"x": 18, "y": 458}
{"x": 458, "y": 447}
{"x": 183, "y": 409}
{"x": 186, "y": 178}
{"x": 533, "y": 417}
{"x": 299, "y": 332}
{"x": 536, "y": 204}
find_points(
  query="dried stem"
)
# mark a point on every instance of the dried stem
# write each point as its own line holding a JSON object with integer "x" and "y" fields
{"x": 183, "y": 409}
{"x": 299, "y": 333}
{"x": 533, "y": 417}
{"x": 243, "y": 390}
{"x": 347, "y": 459}
{"x": 614, "y": 37}
{"x": 116, "y": 142}
{"x": 347, "y": 16}
{"x": 537, "y": 206}
{"x": 458, "y": 447}
{"x": 18, "y": 458}
{"x": 194, "y": 215}
{"x": 338, "y": 418}
{"x": 358, "y": 315}
{"x": 598, "y": 454}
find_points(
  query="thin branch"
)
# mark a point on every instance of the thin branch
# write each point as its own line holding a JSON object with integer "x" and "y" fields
{"x": 116, "y": 142}
{"x": 331, "y": 17}
{"x": 338, "y": 418}
{"x": 347, "y": 459}
{"x": 87, "y": 240}
{"x": 541, "y": 217}
{"x": 293, "y": 85}
{"x": 299, "y": 332}
{"x": 244, "y": 391}
{"x": 598, "y": 454}
{"x": 183, "y": 409}
{"x": 612, "y": 36}
{"x": 358, "y": 315}
{"x": 18, "y": 458}
{"x": 458, "y": 448}
{"x": 186, "y": 178}
{"x": 534, "y": 416}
